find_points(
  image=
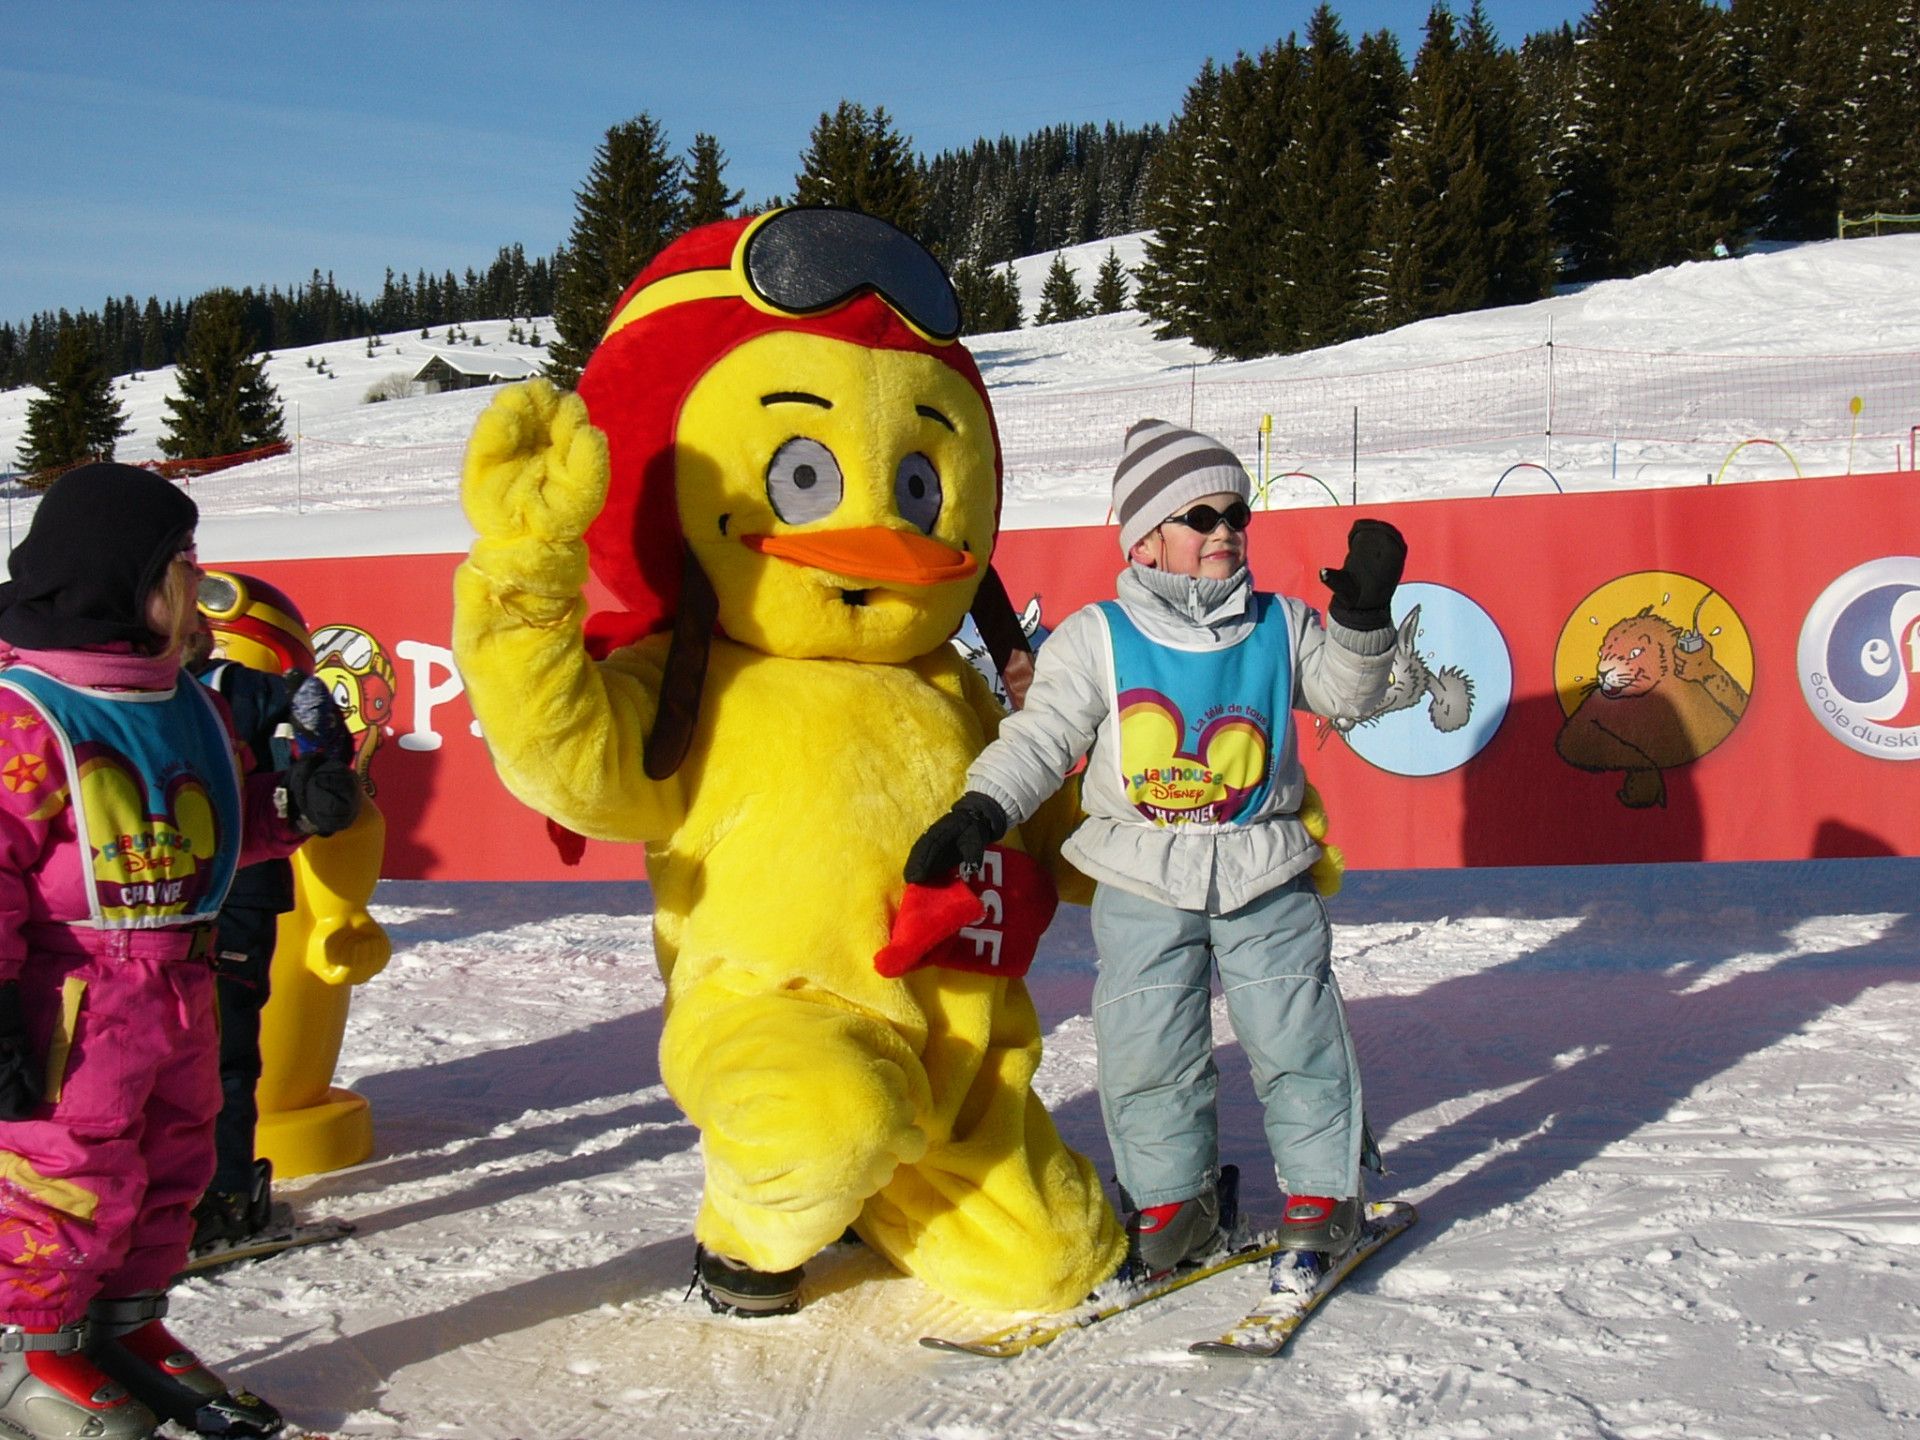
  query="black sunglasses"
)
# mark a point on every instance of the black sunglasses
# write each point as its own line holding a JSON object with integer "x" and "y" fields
{"x": 815, "y": 258}
{"x": 1206, "y": 519}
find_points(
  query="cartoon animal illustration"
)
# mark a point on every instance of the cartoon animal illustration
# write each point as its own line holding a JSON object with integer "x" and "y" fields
{"x": 362, "y": 680}
{"x": 974, "y": 650}
{"x": 1659, "y": 699}
{"x": 1448, "y": 690}
{"x": 784, "y": 466}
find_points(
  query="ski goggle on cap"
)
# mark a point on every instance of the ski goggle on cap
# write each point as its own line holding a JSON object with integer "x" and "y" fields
{"x": 812, "y": 259}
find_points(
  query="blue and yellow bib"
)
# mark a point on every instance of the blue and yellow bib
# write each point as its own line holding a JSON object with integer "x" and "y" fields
{"x": 155, "y": 795}
{"x": 1200, "y": 730}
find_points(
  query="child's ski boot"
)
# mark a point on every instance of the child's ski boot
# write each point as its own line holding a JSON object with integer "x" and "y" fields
{"x": 1316, "y": 1231}
{"x": 50, "y": 1388}
{"x": 128, "y": 1341}
{"x": 226, "y": 1217}
{"x": 732, "y": 1287}
{"x": 1162, "y": 1238}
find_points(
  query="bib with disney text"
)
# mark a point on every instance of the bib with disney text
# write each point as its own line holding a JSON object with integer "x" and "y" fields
{"x": 155, "y": 795}
{"x": 1200, "y": 729}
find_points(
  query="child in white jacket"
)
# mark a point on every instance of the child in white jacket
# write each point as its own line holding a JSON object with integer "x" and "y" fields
{"x": 1180, "y": 692}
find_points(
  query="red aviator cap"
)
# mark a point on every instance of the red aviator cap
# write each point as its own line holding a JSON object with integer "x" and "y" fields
{"x": 820, "y": 271}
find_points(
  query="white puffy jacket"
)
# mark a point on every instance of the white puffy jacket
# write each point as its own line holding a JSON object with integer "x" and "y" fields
{"x": 1338, "y": 673}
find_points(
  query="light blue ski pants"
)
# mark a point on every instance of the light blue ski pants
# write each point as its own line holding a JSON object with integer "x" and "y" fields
{"x": 1152, "y": 1018}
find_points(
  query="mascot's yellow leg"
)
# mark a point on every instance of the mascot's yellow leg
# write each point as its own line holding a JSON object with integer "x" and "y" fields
{"x": 1000, "y": 1215}
{"x": 814, "y": 1116}
{"x": 327, "y": 944}
{"x": 805, "y": 1108}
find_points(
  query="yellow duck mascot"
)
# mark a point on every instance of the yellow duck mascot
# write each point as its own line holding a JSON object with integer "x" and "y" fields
{"x": 785, "y": 467}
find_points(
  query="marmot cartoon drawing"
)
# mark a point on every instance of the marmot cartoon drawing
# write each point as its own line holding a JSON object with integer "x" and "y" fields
{"x": 1659, "y": 699}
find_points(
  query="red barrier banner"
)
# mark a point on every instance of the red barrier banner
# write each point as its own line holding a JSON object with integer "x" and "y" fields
{"x": 1706, "y": 673}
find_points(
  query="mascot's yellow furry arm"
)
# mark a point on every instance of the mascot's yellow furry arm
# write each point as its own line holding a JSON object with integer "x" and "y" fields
{"x": 784, "y": 466}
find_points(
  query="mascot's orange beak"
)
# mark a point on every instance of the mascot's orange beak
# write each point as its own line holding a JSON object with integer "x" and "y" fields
{"x": 873, "y": 554}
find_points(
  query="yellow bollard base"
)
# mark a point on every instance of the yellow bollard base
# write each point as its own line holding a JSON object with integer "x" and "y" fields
{"x": 332, "y": 1135}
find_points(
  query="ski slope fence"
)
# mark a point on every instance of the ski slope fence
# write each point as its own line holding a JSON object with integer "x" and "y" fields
{"x": 1701, "y": 403}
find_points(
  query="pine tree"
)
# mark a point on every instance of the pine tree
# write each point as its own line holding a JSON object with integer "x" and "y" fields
{"x": 153, "y": 336}
{"x": 1794, "y": 83}
{"x": 225, "y": 402}
{"x": 1882, "y": 137}
{"x": 78, "y": 417}
{"x": 1665, "y": 155}
{"x": 705, "y": 188}
{"x": 624, "y": 215}
{"x": 858, "y": 160}
{"x": 1173, "y": 274}
{"x": 1508, "y": 144}
{"x": 1001, "y": 308}
{"x": 1110, "y": 285}
{"x": 1060, "y": 297}
{"x": 1432, "y": 253}
{"x": 1325, "y": 183}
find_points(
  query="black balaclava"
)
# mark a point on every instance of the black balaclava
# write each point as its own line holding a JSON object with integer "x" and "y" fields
{"x": 101, "y": 540}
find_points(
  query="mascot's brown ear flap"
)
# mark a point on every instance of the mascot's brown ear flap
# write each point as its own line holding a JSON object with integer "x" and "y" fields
{"x": 1006, "y": 639}
{"x": 686, "y": 673}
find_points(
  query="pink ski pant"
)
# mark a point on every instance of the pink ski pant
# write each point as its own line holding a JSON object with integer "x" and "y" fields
{"x": 98, "y": 1185}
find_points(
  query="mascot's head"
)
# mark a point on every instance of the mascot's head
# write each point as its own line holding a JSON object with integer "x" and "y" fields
{"x": 791, "y": 421}
{"x": 254, "y": 624}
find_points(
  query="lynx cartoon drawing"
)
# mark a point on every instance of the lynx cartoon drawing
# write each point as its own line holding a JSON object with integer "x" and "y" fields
{"x": 1447, "y": 690}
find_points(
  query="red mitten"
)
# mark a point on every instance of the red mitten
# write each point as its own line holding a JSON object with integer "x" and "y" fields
{"x": 988, "y": 920}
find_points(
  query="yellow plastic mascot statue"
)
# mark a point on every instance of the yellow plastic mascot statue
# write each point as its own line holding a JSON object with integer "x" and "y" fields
{"x": 784, "y": 465}
{"x": 327, "y": 943}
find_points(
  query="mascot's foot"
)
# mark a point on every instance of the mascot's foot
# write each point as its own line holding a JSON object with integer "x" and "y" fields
{"x": 732, "y": 1287}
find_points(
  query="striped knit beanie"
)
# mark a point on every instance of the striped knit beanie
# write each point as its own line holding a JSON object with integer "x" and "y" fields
{"x": 1163, "y": 469}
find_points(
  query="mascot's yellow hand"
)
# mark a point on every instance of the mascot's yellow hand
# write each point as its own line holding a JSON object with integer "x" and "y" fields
{"x": 347, "y": 949}
{"x": 536, "y": 467}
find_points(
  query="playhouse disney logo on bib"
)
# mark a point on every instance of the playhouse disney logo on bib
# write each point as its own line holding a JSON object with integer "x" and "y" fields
{"x": 1212, "y": 781}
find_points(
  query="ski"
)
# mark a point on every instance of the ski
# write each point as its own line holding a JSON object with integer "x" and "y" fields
{"x": 1264, "y": 1331}
{"x": 1025, "y": 1335}
{"x": 292, "y": 1236}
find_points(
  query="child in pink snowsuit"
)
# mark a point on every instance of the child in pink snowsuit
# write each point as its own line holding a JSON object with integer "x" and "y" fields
{"x": 124, "y": 812}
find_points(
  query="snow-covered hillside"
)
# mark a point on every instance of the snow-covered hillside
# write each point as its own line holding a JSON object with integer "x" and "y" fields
{"x": 1830, "y": 299}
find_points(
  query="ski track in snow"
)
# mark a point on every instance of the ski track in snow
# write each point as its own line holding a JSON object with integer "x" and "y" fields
{"x": 1665, "y": 1140}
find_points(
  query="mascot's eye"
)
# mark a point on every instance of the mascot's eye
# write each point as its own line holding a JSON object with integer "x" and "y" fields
{"x": 916, "y": 492}
{"x": 803, "y": 481}
{"x": 1634, "y": 653}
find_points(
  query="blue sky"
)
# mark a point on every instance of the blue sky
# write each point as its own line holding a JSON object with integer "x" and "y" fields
{"x": 163, "y": 148}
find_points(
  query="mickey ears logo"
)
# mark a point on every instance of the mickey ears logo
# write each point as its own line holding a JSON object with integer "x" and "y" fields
{"x": 1209, "y": 783}
{"x": 1859, "y": 658}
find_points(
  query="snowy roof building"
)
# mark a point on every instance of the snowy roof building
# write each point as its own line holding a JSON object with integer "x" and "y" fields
{"x": 463, "y": 370}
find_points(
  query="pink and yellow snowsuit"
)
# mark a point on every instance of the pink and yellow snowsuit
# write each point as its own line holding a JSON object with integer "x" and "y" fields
{"x": 123, "y": 814}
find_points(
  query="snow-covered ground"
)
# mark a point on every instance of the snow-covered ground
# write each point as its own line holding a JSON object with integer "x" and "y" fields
{"x": 1663, "y": 1123}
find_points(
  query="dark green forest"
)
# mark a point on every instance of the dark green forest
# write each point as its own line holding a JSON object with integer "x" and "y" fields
{"x": 1325, "y": 187}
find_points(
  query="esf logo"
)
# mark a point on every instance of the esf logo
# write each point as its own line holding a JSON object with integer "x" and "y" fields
{"x": 1859, "y": 658}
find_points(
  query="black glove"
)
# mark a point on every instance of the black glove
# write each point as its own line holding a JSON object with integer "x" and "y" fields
{"x": 959, "y": 837}
{"x": 1363, "y": 587}
{"x": 21, "y": 1084}
{"x": 318, "y": 726}
{"x": 323, "y": 795}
